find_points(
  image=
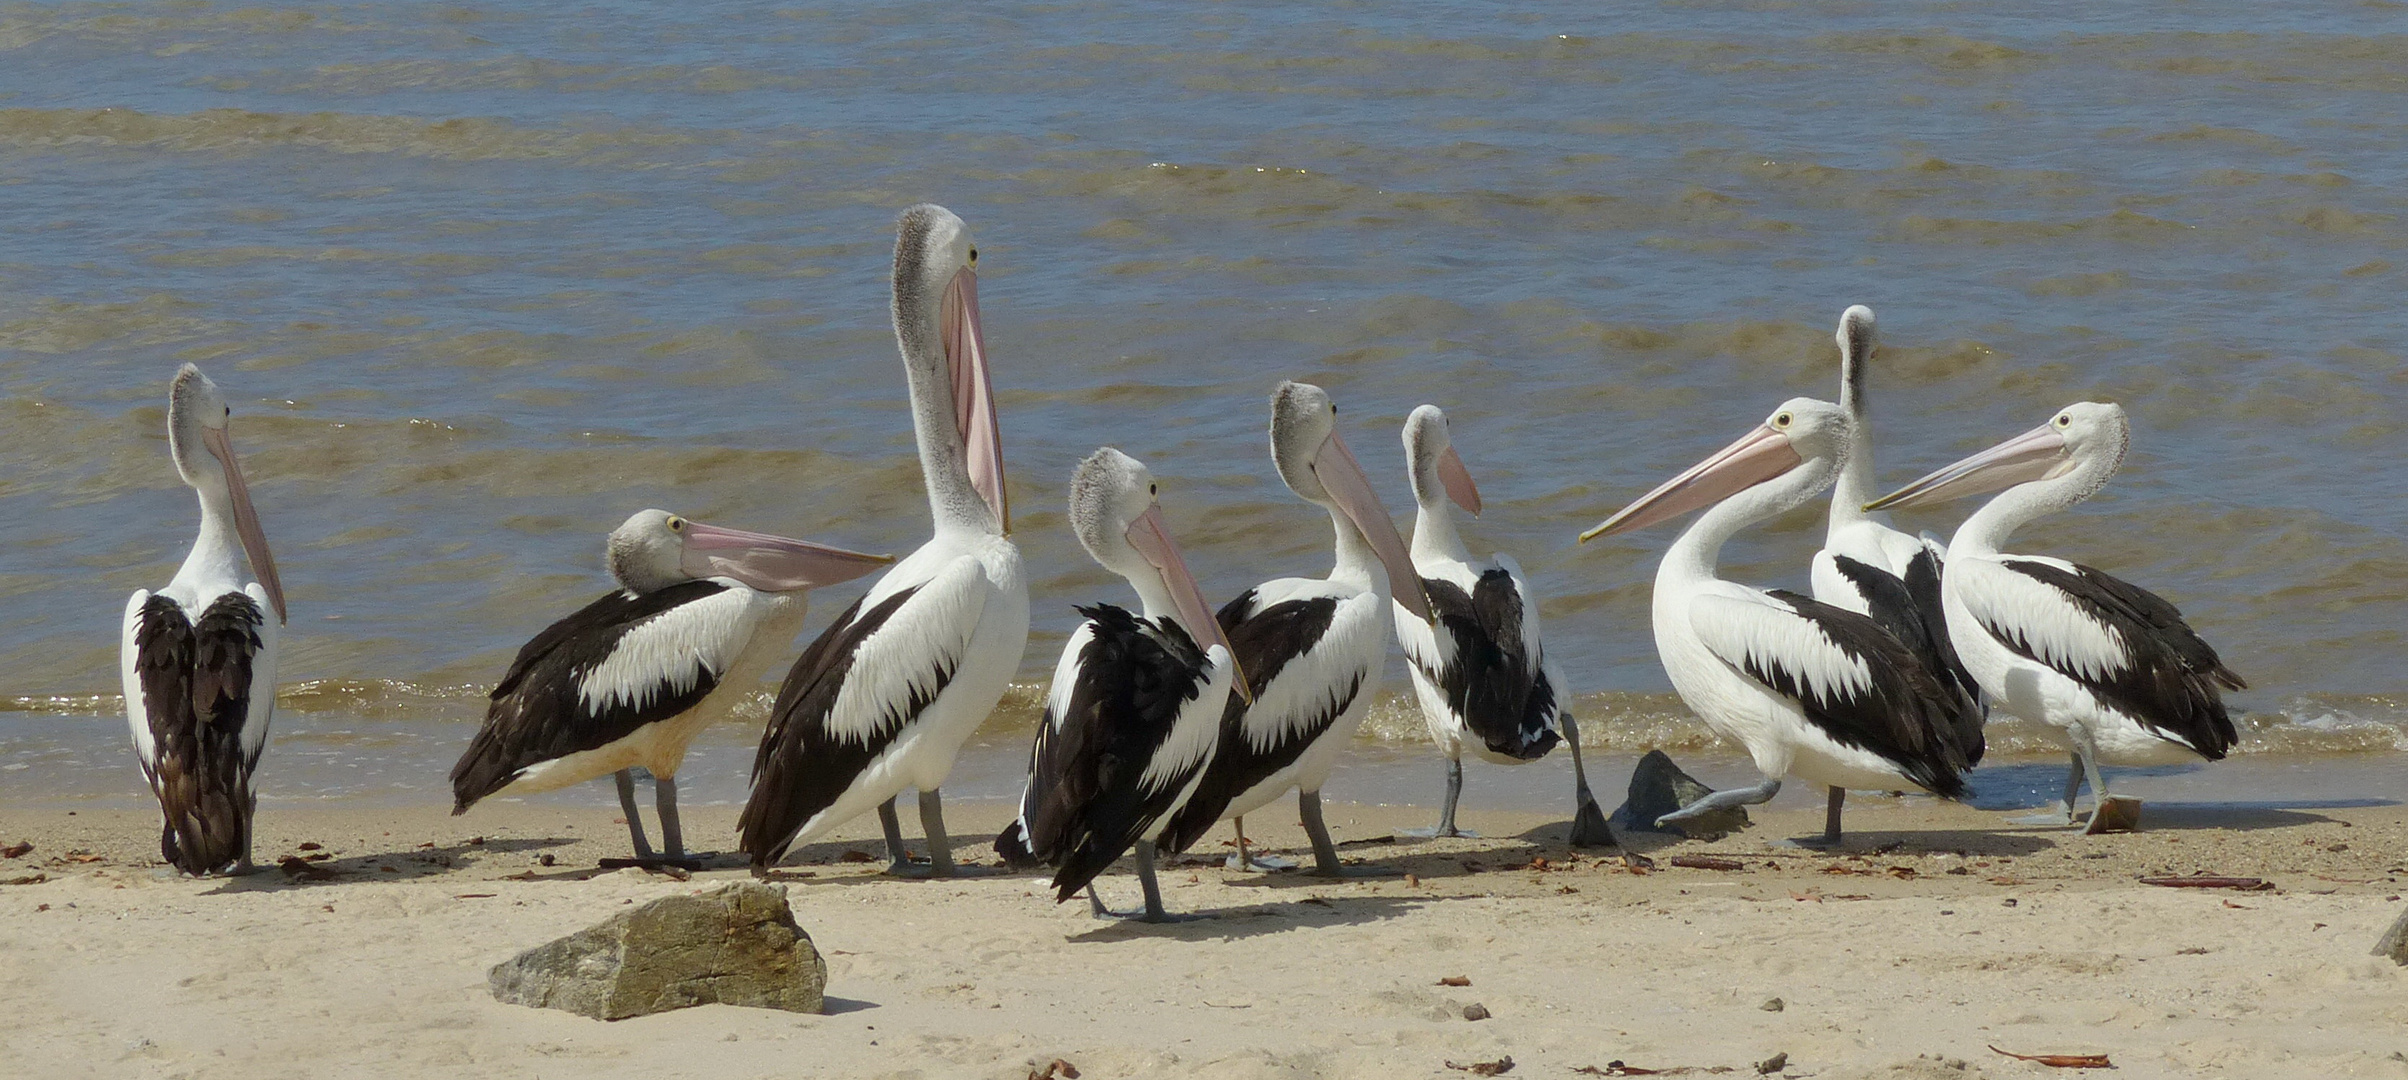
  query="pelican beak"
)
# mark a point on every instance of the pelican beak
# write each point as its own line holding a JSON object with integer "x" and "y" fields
{"x": 1152, "y": 539}
{"x": 2038, "y": 454}
{"x": 770, "y": 563}
{"x": 974, "y": 393}
{"x": 1343, "y": 478}
{"x": 246, "y": 519}
{"x": 1758, "y": 456}
{"x": 1458, "y": 481}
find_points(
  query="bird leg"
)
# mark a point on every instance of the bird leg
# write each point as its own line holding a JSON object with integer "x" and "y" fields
{"x": 1829, "y": 841}
{"x": 1446, "y": 813}
{"x": 1325, "y": 853}
{"x": 2063, "y": 812}
{"x": 2108, "y": 813}
{"x": 1261, "y": 864}
{"x": 635, "y": 821}
{"x": 664, "y": 798}
{"x": 1589, "y": 825}
{"x": 932, "y": 825}
{"x": 898, "y": 861}
{"x": 1724, "y": 800}
{"x": 1152, "y": 911}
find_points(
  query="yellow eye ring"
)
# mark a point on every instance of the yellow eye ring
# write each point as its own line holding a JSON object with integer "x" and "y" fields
{"x": 676, "y": 523}
{"x": 1781, "y": 421}
{"x": 2064, "y": 420}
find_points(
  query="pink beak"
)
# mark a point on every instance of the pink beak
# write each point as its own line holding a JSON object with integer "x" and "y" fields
{"x": 1458, "y": 481}
{"x": 1758, "y": 456}
{"x": 770, "y": 563}
{"x": 246, "y": 519}
{"x": 974, "y": 393}
{"x": 1343, "y": 478}
{"x": 2037, "y": 454}
{"x": 1152, "y": 539}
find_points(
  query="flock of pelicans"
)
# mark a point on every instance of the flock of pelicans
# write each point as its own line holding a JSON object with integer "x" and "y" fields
{"x": 1165, "y": 720}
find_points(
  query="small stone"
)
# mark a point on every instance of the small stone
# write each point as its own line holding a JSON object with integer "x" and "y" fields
{"x": 1773, "y": 1064}
{"x": 735, "y": 945}
{"x": 1475, "y": 1011}
{"x": 1659, "y": 787}
{"x": 2394, "y": 944}
{"x": 1772, "y": 1005}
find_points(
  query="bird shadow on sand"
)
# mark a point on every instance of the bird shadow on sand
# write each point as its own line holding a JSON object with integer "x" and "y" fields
{"x": 298, "y": 872}
{"x": 1238, "y": 923}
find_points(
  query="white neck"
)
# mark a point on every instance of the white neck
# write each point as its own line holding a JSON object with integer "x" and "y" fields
{"x": 1154, "y": 601}
{"x": 216, "y": 560}
{"x": 1434, "y": 534}
{"x": 1692, "y": 558}
{"x": 1854, "y": 488}
{"x": 2012, "y": 509}
{"x": 944, "y": 460}
{"x": 1356, "y": 560}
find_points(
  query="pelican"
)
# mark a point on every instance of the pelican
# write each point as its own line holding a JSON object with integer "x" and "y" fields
{"x": 2109, "y": 664}
{"x": 198, "y": 657}
{"x": 1312, "y": 649}
{"x": 630, "y": 679}
{"x": 1811, "y": 690}
{"x": 885, "y": 697}
{"x": 1872, "y": 569}
{"x": 1135, "y": 709}
{"x": 1479, "y": 672}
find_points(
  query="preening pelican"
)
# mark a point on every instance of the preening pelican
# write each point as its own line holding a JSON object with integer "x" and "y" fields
{"x": 2109, "y": 664}
{"x": 1135, "y": 709}
{"x": 1311, "y": 649}
{"x": 1872, "y": 569}
{"x": 630, "y": 679}
{"x": 1480, "y": 672}
{"x": 885, "y": 697}
{"x": 1809, "y": 689}
{"x": 198, "y": 658}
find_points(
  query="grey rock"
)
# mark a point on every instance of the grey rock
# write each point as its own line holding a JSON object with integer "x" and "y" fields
{"x": 1659, "y": 787}
{"x": 2394, "y": 943}
{"x": 1772, "y": 1005}
{"x": 1475, "y": 1011}
{"x": 734, "y": 945}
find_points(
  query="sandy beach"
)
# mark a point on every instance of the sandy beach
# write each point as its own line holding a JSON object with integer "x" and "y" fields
{"x": 1936, "y": 935}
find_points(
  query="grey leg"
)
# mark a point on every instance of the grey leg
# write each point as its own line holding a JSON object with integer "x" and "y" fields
{"x": 932, "y": 823}
{"x": 1454, "y": 794}
{"x": 898, "y": 861}
{"x": 1589, "y": 827}
{"x": 1257, "y": 863}
{"x": 2063, "y": 812}
{"x": 1724, "y": 800}
{"x": 1095, "y": 904}
{"x": 664, "y": 797}
{"x": 635, "y": 821}
{"x": 1325, "y": 853}
{"x": 2073, "y": 781}
{"x": 1153, "y": 911}
{"x": 1839, "y": 797}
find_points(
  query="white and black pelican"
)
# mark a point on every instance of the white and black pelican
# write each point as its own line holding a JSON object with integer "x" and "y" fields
{"x": 1872, "y": 569}
{"x": 1311, "y": 649}
{"x": 1810, "y": 690}
{"x": 629, "y": 680}
{"x": 199, "y": 656}
{"x": 885, "y": 697}
{"x": 1135, "y": 709}
{"x": 2111, "y": 665}
{"x": 1480, "y": 672}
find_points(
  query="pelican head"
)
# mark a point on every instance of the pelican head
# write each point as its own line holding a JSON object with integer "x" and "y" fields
{"x": 2085, "y": 440}
{"x": 196, "y": 436}
{"x": 1438, "y": 472}
{"x": 1802, "y": 432}
{"x": 937, "y": 324}
{"x": 1115, "y": 512}
{"x": 1317, "y": 466}
{"x": 655, "y": 549}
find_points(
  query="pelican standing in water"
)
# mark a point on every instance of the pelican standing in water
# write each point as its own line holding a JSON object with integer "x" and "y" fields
{"x": 884, "y": 699}
{"x": 2110, "y": 665}
{"x": 1872, "y": 569}
{"x": 1135, "y": 710}
{"x": 630, "y": 679}
{"x": 1480, "y": 673}
{"x": 1809, "y": 689}
{"x": 1311, "y": 649}
{"x": 198, "y": 657}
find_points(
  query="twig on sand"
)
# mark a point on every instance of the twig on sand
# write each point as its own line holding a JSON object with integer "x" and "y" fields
{"x": 2061, "y": 1061}
{"x": 2245, "y": 884}
{"x": 1499, "y": 1067}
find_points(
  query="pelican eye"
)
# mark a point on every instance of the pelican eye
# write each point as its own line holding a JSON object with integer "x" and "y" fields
{"x": 2065, "y": 420}
{"x": 1153, "y": 489}
{"x": 1781, "y": 420}
{"x": 676, "y": 523}
{"x": 973, "y": 256}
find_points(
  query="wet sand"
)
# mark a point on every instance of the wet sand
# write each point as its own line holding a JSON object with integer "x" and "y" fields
{"x": 1937, "y": 933}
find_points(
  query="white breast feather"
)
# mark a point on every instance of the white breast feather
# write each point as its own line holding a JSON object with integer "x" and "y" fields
{"x": 2009, "y": 604}
{"x": 1196, "y": 731}
{"x": 670, "y": 651}
{"x": 136, "y": 716}
{"x": 1066, "y": 674}
{"x": 1752, "y": 628}
{"x": 263, "y": 672}
{"x": 925, "y": 637}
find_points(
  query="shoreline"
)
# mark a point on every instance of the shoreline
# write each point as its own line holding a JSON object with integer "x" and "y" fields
{"x": 1935, "y": 932}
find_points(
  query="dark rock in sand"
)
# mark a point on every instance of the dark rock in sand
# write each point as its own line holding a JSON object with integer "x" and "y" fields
{"x": 2395, "y": 941}
{"x": 735, "y": 945}
{"x": 1659, "y": 787}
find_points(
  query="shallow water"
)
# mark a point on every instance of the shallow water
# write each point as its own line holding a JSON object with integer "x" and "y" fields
{"x": 482, "y": 279}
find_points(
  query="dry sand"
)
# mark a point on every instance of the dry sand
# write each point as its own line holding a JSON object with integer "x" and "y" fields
{"x": 1942, "y": 934}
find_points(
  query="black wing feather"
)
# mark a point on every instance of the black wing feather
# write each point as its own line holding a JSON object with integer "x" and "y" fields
{"x": 1087, "y": 805}
{"x": 1264, "y": 643}
{"x": 538, "y": 712}
{"x": 196, "y": 697}
{"x": 1906, "y": 715}
{"x": 1910, "y": 610}
{"x": 800, "y": 769}
{"x": 2169, "y": 682}
{"x": 1494, "y": 683}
